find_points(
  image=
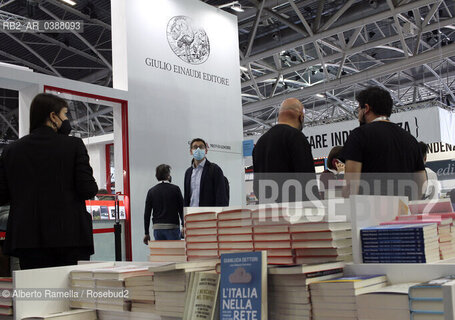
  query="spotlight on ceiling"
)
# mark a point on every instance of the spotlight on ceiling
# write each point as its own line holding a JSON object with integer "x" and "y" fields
{"x": 70, "y": 2}
{"x": 234, "y": 5}
{"x": 237, "y": 7}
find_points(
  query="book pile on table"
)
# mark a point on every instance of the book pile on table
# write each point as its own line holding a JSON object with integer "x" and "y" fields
{"x": 66, "y": 315}
{"x": 108, "y": 285}
{"x": 167, "y": 251}
{"x": 400, "y": 243}
{"x": 235, "y": 232}
{"x": 444, "y": 222}
{"x": 391, "y": 303}
{"x": 284, "y": 233}
{"x": 321, "y": 242}
{"x": 6, "y": 301}
{"x": 289, "y": 296}
{"x": 170, "y": 292}
{"x": 141, "y": 292}
{"x": 201, "y": 236}
{"x": 336, "y": 298}
{"x": 433, "y": 300}
{"x": 171, "y": 284}
{"x": 271, "y": 234}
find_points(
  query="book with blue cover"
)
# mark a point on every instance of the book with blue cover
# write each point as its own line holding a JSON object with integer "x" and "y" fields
{"x": 243, "y": 286}
{"x": 401, "y": 228}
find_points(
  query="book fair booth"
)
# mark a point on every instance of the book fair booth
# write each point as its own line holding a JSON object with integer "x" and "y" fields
{"x": 362, "y": 257}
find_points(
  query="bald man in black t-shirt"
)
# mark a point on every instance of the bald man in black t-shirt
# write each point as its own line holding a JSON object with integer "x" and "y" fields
{"x": 283, "y": 154}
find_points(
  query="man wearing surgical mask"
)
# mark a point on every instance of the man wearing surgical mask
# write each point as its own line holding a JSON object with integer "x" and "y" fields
{"x": 205, "y": 185}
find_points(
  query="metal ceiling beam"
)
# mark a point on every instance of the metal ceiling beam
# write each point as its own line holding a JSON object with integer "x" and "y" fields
{"x": 337, "y": 15}
{"x": 254, "y": 29}
{"x": 88, "y": 44}
{"x": 446, "y": 87}
{"x": 4, "y": 4}
{"x": 79, "y": 14}
{"x": 36, "y": 54}
{"x": 8, "y": 123}
{"x": 365, "y": 75}
{"x": 69, "y": 48}
{"x": 94, "y": 114}
{"x": 257, "y": 121}
{"x": 26, "y": 63}
{"x": 333, "y": 31}
{"x": 348, "y": 52}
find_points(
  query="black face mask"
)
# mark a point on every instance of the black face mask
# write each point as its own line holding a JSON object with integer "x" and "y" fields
{"x": 65, "y": 128}
{"x": 170, "y": 179}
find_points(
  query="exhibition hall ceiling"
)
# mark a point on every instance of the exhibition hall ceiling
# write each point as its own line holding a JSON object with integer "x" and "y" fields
{"x": 320, "y": 51}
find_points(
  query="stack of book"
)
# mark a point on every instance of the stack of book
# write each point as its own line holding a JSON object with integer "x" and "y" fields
{"x": 6, "y": 300}
{"x": 141, "y": 292}
{"x": 170, "y": 292}
{"x": 66, "y": 315}
{"x": 400, "y": 243}
{"x": 336, "y": 298}
{"x": 107, "y": 285}
{"x": 112, "y": 281}
{"x": 289, "y": 295}
{"x": 271, "y": 234}
{"x": 391, "y": 303}
{"x": 321, "y": 242}
{"x": 430, "y": 206}
{"x": 167, "y": 251}
{"x": 201, "y": 236}
{"x": 235, "y": 233}
{"x": 82, "y": 280}
{"x": 444, "y": 222}
{"x": 433, "y": 300}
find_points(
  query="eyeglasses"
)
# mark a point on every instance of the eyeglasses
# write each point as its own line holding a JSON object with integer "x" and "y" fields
{"x": 357, "y": 111}
{"x": 194, "y": 147}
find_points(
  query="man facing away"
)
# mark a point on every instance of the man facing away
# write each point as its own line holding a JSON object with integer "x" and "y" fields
{"x": 283, "y": 155}
{"x": 166, "y": 202}
{"x": 386, "y": 157}
{"x": 205, "y": 184}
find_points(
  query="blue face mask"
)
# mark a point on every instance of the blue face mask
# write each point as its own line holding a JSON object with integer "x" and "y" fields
{"x": 198, "y": 154}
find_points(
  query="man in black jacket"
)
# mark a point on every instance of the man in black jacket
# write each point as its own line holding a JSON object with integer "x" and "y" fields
{"x": 46, "y": 178}
{"x": 205, "y": 185}
{"x": 283, "y": 156}
{"x": 166, "y": 201}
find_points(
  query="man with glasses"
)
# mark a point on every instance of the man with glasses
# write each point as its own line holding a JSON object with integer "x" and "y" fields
{"x": 205, "y": 184}
{"x": 380, "y": 157}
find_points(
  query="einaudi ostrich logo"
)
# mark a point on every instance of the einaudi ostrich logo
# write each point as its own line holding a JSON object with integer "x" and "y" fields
{"x": 187, "y": 40}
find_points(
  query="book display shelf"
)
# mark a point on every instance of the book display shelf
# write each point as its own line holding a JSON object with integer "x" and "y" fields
{"x": 272, "y": 263}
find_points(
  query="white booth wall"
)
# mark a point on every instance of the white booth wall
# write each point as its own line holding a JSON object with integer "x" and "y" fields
{"x": 171, "y": 100}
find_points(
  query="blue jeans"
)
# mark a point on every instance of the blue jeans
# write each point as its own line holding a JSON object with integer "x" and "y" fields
{"x": 167, "y": 234}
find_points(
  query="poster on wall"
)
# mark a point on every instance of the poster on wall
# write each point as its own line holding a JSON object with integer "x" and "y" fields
{"x": 423, "y": 124}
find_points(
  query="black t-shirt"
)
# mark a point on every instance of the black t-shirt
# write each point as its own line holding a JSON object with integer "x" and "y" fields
{"x": 387, "y": 153}
{"x": 283, "y": 149}
{"x": 283, "y": 155}
{"x": 383, "y": 146}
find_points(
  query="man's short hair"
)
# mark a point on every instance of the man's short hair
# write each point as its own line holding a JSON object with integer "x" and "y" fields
{"x": 163, "y": 172}
{"x": 423, "y": 148}
{"x": 333, "y": 154}
{"x": 198, "y": 140}
{"x": 378, "y": 99}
